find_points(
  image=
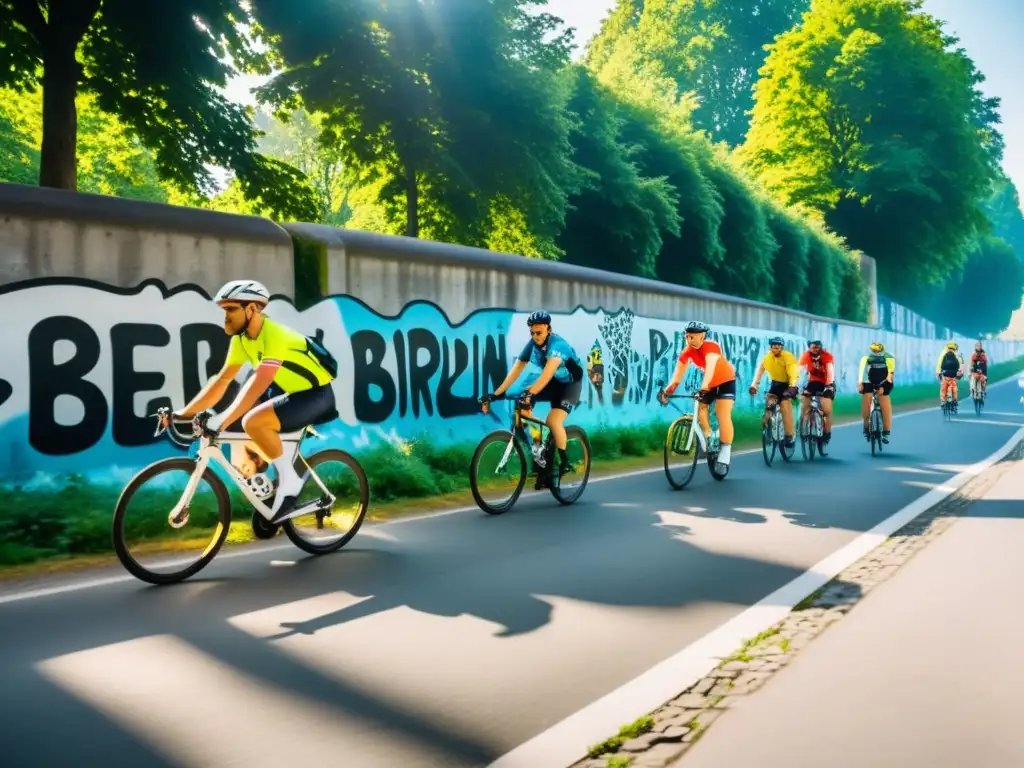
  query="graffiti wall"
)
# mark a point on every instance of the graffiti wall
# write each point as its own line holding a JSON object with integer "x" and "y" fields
{"x": 82, "y": 366}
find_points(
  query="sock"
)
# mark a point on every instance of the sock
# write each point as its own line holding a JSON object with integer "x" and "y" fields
{"x": 563, "y": 456}
{"x": 286, "y": 475}
{"x": 724, "y": 452}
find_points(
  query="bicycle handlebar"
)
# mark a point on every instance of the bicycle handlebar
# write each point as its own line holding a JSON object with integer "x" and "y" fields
{"x": 165, "y": 421}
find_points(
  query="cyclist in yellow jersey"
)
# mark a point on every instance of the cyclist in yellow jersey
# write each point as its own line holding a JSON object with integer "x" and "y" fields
{"x": 291, "y": 387}
{"x": 782, "y": 368}
{"x": 877, "y": 373}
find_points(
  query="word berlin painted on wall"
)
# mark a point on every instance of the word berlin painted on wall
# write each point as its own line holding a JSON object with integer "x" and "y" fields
{"x": 85, "y": 364}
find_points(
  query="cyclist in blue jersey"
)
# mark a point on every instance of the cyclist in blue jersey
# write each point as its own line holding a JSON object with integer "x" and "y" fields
{"x": 560, "y": 382}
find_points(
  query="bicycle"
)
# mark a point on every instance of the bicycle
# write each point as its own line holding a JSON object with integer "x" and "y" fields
{"x": 978, "y": 391}
{"x": 812, "y": 430}
{"x": 875, "y": 424}
{"x": 214, "y": 518}
{"x": 949, "y": 405}
{"x": 679, "y": 440}
{"x": 773, "y": 432}
{"x": 511, "y": 443}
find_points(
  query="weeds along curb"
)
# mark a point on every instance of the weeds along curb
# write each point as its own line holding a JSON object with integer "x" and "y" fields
{"x": 662, "y": 737}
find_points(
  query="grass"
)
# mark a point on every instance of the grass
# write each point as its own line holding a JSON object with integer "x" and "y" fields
{"x": 70, "y": 528}
{"x": 627, "y": 732}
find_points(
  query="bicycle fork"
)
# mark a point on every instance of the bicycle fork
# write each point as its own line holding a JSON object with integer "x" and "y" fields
{"x": 178, "y": 516}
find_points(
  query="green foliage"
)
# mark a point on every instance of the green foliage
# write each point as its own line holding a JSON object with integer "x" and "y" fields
{"x": 865, "y": 115}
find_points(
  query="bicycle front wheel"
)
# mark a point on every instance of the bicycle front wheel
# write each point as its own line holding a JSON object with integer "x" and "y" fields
{"x": 808, "y": 437}
{"x": 680, "y": 458}
{"x": 329, "y": 528}
{"x": 497, "y": 473}
{"x": 146, "y": 543}
{"x": 577, "y": 448}
{"x": 768, "y": 443}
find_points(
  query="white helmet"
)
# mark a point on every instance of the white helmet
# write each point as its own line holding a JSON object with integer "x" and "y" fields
{"x": 242, "y": 291}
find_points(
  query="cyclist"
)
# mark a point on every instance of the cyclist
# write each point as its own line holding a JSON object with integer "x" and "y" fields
{"x": 877, "y": 371}
{"x": 782, "y": 368}
{"x": 821, "y": 380}
{"x": 291, "y": 387}
{"x": 949, "y": 368}
{"x": 979, "y": 369}
{"x": 718, "y": 385}
{"x": 560, "y": 383}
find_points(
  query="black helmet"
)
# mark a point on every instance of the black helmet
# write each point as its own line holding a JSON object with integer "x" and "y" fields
{"x": 776, "y": 340}
{"x": 539, "y": 317}
{"x": 696, "y": 326}
{"x": 812, "y": 342}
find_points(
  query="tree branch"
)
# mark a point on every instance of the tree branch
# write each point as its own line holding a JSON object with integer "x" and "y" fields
{"x": 29, "y": 16}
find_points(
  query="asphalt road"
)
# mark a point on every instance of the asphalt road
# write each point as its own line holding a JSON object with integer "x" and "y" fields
{"x": 450, "y": 640}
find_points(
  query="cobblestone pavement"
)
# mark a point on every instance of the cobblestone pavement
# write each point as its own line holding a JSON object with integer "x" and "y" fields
{"x": 663, "y": 737}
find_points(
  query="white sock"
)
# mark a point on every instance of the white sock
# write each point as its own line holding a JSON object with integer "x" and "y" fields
{"x": 286, "y": 475}
{"x": 724, "y": 452}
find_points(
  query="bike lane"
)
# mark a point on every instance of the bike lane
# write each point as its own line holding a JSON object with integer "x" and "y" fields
{"x": 448, "y": 640}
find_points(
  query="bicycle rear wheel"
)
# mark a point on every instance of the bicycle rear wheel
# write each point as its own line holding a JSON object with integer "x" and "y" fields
{"x": 819, "y": 432}
{"x": 328, "y": 530}
{"x": 498, "y": 472}
{"x": 577, "y": 448}
{"x": 876, "y": 432}
{"x": 141, "y": 527}
{"x": 680, "y": 432}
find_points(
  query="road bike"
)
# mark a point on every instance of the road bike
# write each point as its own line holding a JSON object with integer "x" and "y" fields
{"x": 812, "y": 429}
{"x": 875, "y": 424}
{"x": 773, "y": 432}
{"x": 949, "y": 405}
{"x": 978, "y": 391}
{"x": 680, "y": 442}
{"x": 328, "y": 511}
{"x": 499, "y": 461}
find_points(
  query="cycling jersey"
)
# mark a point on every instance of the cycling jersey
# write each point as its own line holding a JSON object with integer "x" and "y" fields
{"x": 699, "y": 357}
{"x": 949, "y": 363}
{"x": 875, "y": 368}
{"x": 783, "y": 368}
{"x": 817, "y": 367}
{"x": 979, "y": 363}
{"x": 569, "y": 369}
{"x": 298, "y": 370}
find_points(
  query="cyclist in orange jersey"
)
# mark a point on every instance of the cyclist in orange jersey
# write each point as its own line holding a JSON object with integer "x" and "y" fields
{"x": 718, "y": 385}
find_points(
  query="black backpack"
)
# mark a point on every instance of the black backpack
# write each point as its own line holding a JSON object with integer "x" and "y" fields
{"x": 315, "y": 347}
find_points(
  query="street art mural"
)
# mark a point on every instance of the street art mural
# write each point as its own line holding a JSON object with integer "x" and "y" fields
{"x": 83, "y": 365}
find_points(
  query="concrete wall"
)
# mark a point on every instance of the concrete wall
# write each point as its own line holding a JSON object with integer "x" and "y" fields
{"x": 50, "y": 233}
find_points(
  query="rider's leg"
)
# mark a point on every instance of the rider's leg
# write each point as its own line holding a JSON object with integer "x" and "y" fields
{"x": 726, "y": 433}
{"x": 943, "y": 389}
{"x": 826, "y": 408}
{"x": 805, "y": 406}
{"x": 248, "y": 458}
{"x": 556, "y": 423}
{"x": 769, "y": 401}
{"x": 885, "y": 403}
{"x": 865, "y": 408}
{"x": 787, "y": 418}
{"x": 263, "y": 426}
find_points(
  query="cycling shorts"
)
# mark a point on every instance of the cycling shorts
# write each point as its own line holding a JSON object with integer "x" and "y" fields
{"x": 300, "y": 409}
{"x": 724, "y": 391}
{"x": 563, "y": 395}
{"x": 818, "y": 388}
{"x": 885, "y": 387}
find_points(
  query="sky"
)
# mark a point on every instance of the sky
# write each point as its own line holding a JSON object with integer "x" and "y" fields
{"x": 991, "y": 31}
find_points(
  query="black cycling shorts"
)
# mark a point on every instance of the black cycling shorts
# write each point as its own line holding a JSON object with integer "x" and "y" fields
{"x": 724, "y": 391}
{"x": 885, "y": 387}
{"x": 818, "y": 388}
{"x": 563, "y": 395}
{"x": 300, "y": 409}
{"x": 778, "y": 388}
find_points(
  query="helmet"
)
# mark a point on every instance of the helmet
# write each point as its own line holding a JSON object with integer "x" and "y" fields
{"x": 812, "y": 342}
{"x": 775, "y": 340}
{"x": 952, "y": 346}
{"x": 696, "y": 326}
{"x": 539, "y": 317}
{"x": 877, "y": 346}
{"x": 243, "y": 291}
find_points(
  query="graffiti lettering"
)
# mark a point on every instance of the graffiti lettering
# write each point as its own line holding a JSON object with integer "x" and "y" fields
{"x": 218, "y": 341}
{"x": 130, "y": 429}
{"x": 50, "y": 380}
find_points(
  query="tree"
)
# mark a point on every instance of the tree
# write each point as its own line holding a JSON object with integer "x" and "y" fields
{"x": 453, "y": 103}
{"x": 866, "y": 116}
{"x": 713, "y": 48}
{"x": 155, "y": 66}
{"x": 1004, "y": 212}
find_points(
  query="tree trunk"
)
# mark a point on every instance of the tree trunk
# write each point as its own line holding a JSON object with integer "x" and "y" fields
{"x": 58, "y": 165}
{"x": 412, "y": 202}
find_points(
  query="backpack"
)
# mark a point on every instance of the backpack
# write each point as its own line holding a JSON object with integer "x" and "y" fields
{"x": 315, "y": 347}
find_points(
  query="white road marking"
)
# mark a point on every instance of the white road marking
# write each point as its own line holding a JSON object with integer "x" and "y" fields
{"x": 566, "y": 742}
{"x": 34, "y": 594}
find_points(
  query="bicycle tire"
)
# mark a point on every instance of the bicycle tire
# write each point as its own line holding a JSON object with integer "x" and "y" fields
{"x": 812, "y": 437}
{"x": 768, "y": 440}
{"x": 683, "y": 424}
{"x": 141, "y": 478}
{"x": 819, "y": 418}
{"x": 333, "y": 454}
{"x": 580, "y": 434}
{"x": 500, "y": 435}
{"x": 876, "y": 431}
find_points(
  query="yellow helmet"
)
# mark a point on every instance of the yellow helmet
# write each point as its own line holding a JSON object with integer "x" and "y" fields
{"x": 952, "y": 346}
{"x": 877, "y": 346}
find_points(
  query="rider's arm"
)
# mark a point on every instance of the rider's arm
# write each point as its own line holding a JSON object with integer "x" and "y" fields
{"x": 830, "y": 373}
{"x": 250, "y": 393}
{"x": 677, "y": 376}
{"x": 756, "y": 381}
{"x": 862, "y": 374}
{"x": 890, "y": 363}
{"x": 793, "y": 371}
{"x": 545, "y": 376}
{"x": 709, "y": 372}
{"x": 212, "y": 391}
{"x": 517, "y": 368}
{"x": 938, "y": 364}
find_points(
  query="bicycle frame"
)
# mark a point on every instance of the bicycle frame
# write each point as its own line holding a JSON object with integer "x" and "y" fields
{"x": 518, "y": 418}
{"x": 697, "y": 428}
{"x": 210, "y": 450}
